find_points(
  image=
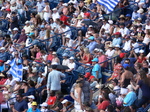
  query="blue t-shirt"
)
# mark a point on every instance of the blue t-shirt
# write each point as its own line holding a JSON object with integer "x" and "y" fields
{"x": 129, "y": 99}
{"x": 21, "y": 106}
{"x": 96, "y": 67}
{"x": 30, "y": 110}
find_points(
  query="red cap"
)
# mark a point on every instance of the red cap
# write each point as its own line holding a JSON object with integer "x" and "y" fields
{"x": 87, "y": 14}
{"x": 117, "y": 33}
{"x": 8, "y": 10}
{"x": 91, "y": 77}
{"x": 87, "y": 75}
{"x": 122, "y": 55}
{"x": 1, "y": 61}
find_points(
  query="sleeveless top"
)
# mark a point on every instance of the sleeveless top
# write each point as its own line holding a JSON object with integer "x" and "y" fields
{"x": 76, "y": 104}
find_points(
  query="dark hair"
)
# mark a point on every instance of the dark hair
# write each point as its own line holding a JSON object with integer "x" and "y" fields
{"x": 144, "y": 77}
{"x": 127, "y": 109}
{"x": 106, "y": 96}
{"x": 110, "y": 108}
{"x": 31, "y": 83}
{"x": 118, "y": 60}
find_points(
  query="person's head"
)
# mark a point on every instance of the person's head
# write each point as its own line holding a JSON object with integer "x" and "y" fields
{"x": 86, "y": 51}
{"x": 34, "y": 105}
{"x": 94, "y": 61}
{"x": 13, "y": 13}
{"x": 54, "y": 66}
{"x": 19, "y": 97}
{"x": 46, "y": 2}
{"x": 15, "y": 30}
{"x": 31, "y": 83}
{"x": 54, "y": 54}
{"x": 122, "y": 25}
{"x": 148, "y": 31}
{"x": 9, "y": 76}
{"x": 44, "y": 105}
{"x": 23, "y": 31}
{"x": 91, "y": 38}
{"x": 141, "y": 53}
{"x": 145, "y": 64}
{"x": 127, "y": 109}
{"x": 31, "y": 98}
{"x": 105, "y": 96}
{"x": 16, "y": 54}
{"x": 110, "y": 108}
{"x": 79, "y": 83}
{"x": 128, "y": 16}
{"x": 65, "y": 56}
{"x": 133, "y": 108}
{"x": 117, "y": 34}
{"x": 71, "y": 59}
{"x": 52, "y": 93}
{"x": 81, "y": 77}
{"x": 114, "y": 82}
{"x": 104, "y": 21}
{"x": 130, "y": 88}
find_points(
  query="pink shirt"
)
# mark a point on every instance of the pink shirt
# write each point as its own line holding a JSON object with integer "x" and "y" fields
{"x": 38, "y": 56}
{"x": 102, "y": 58}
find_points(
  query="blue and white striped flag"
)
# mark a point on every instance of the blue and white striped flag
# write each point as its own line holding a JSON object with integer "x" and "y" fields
{"x": 108, "y": 4}
{"x": 16, "y": 70}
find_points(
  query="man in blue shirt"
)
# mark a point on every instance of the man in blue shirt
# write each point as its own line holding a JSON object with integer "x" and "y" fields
{"x": 54, "y": 78}
{"x": 20, "y": 104}
{"x": 92, "y": 44}
{"x": 96, "y": 71}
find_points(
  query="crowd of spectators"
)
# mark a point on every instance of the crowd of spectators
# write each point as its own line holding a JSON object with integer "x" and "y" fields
{"x": 55, "y": 59}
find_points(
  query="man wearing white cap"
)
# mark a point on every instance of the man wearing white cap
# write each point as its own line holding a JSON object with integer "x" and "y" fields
{"x": 31, "y": 99}
{"x": 16, "y": 35}
{"x": 71, "y": 64}
{"x": 55, "y": 14}
{"x": 27, "y": 27}
{"x": 44, "y": 107}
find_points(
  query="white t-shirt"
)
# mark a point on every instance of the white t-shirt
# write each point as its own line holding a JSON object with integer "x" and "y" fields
{"x": 65, "y": 62}
{"x": 127, "y": 46}
{"x": 71, "y": 65}
{"x": 109, "y": 53}
{"x": 136, "y": 45}
{"x": 106, "y": 27}
{"x": 124, "y": 31}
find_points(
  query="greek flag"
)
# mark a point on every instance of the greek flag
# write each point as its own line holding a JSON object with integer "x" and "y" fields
{"x": 16, "y": 70}
{"x": 108, "y": 4}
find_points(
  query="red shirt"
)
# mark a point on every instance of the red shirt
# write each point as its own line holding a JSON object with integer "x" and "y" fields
{"x": 64, "y": 19}
{"x": 50, "y": 57}
{"x": 140, "y": 60}
{"x": 103, "y": 105}
{"x": 51, "y": 100}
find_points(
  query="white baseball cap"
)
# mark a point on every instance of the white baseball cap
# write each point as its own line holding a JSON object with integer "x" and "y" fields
{"x": 64, "y": 101}
{"x": 141, "y": 51}
{"x": 15, "y": 29}
{"x": 44, "y": 104}
{"x": 71, "y": 58}
{"x": 31, "y": 96}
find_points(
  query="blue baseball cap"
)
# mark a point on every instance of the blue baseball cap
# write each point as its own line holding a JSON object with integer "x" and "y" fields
{"x": 125, "y": 65}
{"x": 31, "y": 33}
{"x": 95, "y": 60}
{"x": 42, "y": 26}
{"x": 65, "y": 55}
{"x": 128, "y": 15}
{"x": 91, "y": 38}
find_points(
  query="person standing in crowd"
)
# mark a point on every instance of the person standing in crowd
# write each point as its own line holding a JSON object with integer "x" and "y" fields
{"x": 54, "y": 78}
{"x": 13, "y": 21}
{"x": 96, "y": 71}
